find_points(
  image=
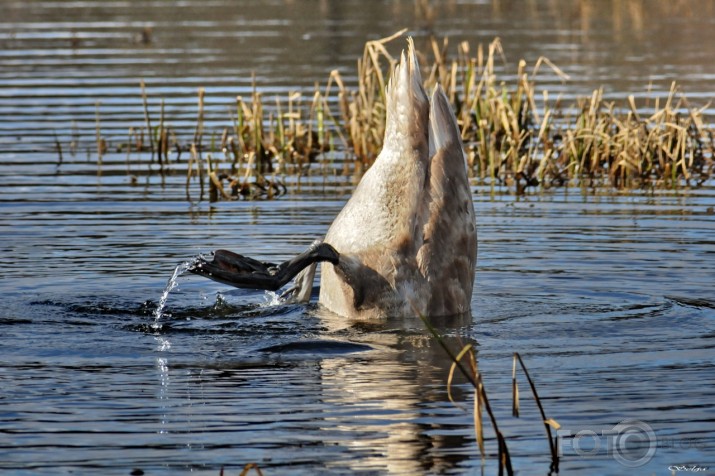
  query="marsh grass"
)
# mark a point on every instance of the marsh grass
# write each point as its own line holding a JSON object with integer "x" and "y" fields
{"x": 515, "y": 134}
{"x": 471, "y": 373}
{"x": 518, "y": 136}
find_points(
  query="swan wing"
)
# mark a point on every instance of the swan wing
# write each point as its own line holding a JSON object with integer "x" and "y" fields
{"x": 447, "y": 257}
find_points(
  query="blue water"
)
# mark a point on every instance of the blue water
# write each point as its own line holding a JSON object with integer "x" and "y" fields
{"x": 608, "y": 300}
{"x": 608, "y": 297}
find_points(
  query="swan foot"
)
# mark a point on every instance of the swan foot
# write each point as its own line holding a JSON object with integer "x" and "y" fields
{"x": 241, "y": 271}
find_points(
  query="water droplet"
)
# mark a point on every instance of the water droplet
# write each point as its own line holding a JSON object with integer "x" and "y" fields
{"x": 170, "y": 285}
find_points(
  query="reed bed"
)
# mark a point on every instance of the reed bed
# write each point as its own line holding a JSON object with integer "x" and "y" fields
{"x": 515, "y": 134}
{"x": 519, "y": 137}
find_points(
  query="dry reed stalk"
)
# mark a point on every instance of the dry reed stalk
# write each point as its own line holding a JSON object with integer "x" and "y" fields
{"x": 199, "y": 132}
{"x": 548, "y": 422}
{"x": 249, "y": 467}
{"x": 147, "y": 118}
{"x": 481, "y": 400}
{"x": 514, "y": 135}
{"x": 161, "y": 141}
{"x": 129, "y": 150}
{"x": 194, "y": 158}
{"x": 58, "y": 146}
{"x": 215, "y": 183}
{"x": 74, "y": 143}
{"x": 474, "y": 377}
{"x": 280, "y": 148}
{"x": 100, "y": 142}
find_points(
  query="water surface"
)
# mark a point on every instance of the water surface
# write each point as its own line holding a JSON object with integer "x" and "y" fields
{"x": 608, "y": 300}
{"x": 607, "y": 297}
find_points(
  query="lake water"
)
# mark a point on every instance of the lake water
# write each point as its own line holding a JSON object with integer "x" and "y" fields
{"x": 608, "y": 297}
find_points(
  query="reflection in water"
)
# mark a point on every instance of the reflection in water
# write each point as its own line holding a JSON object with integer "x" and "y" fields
{"x": 162, "y": 366}
{"x": 387, "y": 406}
{"x": 388, "y": 397}
{"x": 383, "y": 409}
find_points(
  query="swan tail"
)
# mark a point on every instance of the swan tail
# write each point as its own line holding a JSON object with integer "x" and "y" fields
{"x": 444, "y": 131}
{"x": 407, "y": 102}
{"x": 450, "y": 223}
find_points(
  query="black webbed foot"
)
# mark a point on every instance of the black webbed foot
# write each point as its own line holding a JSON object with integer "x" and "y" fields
{"x": 243, "y": 272}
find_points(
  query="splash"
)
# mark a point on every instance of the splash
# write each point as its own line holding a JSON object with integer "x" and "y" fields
{"x": 171, "y": 285}
{"x": 272, "y": 299}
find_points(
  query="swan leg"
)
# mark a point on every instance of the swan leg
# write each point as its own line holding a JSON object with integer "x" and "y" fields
{"x": 241, "y": 271}
{"x": 302, "y": 286}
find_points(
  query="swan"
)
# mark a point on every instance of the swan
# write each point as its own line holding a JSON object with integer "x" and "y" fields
{"x": 405, "y": 243}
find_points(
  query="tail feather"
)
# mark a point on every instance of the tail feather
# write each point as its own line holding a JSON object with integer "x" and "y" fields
{"x": 443, "y": 131}
{"x": 450, "y": 223}
{"x": 414, "y": 65}
{"x": 407, "y": 101}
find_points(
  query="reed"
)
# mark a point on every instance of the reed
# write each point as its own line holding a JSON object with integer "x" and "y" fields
{"x": 100, "y": 142}
{"x": 147, "y": 117}
{"x": 515, "y": 134}
{"x": 246, "y": 470}
{"x": 548, "y": 422}
{"x": 251, "y": 466}
{"x": 58, "y": 147}
{"x": 481, "y": 400}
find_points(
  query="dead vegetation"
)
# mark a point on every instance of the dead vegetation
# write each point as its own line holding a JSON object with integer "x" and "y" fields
{"x": 515, "y": 134}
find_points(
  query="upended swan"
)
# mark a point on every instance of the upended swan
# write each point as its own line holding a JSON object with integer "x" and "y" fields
{"x": 405, "y": 243}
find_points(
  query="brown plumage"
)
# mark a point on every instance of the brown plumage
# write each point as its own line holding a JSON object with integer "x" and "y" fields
{"x": 407, "y": 236}
{"x": 406, "y": 241}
